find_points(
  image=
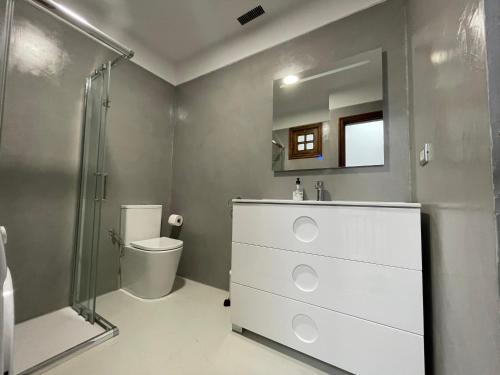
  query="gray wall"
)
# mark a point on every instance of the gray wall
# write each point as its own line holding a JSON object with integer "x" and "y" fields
{"x": 223, "y": 135}
{"x": 450, "y": 110}
{"x": 40, "y": 153}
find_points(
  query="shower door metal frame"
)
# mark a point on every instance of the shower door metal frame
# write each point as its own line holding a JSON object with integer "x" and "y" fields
{"x": 110, "y": 331}
{"x": 74, "y": 20}
{"x": 98, "y": 193}
{"x": 4, "y": 56}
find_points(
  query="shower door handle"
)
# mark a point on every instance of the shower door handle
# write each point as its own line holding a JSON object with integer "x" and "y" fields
{"x": 3, "y": 258}
{"x": 3, "y": 235}
{"x": 104, "y": 186}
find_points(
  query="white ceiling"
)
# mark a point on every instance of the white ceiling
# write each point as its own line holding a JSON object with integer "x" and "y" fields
{"x": 179, "y": 40}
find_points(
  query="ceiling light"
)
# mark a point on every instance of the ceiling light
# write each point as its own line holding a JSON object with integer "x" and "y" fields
{"x": 290, "y": 80}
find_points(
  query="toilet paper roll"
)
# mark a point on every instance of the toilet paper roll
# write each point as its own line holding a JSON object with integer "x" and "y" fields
{"x": 175, "y": 220}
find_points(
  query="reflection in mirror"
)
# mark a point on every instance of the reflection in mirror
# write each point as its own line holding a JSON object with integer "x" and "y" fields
{"x": 330, "y": 118}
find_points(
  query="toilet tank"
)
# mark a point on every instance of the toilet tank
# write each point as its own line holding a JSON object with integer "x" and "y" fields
{"x": 140, "y": 222}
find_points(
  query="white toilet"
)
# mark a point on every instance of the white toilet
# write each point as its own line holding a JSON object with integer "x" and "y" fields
{"x": 149, "y": 263}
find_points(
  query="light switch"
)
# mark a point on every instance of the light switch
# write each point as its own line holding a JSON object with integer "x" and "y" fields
{"x": 425, "y": 154}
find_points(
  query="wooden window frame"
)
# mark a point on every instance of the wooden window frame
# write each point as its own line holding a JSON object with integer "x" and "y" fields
{"x": 317, "y": 130}
{"x": 353, "y": 120}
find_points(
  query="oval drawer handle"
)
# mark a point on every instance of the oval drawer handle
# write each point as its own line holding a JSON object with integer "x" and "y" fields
{"x": 305, "y": 278}
{"x": 305, "y": 328}
{"x": 305, "y": 229}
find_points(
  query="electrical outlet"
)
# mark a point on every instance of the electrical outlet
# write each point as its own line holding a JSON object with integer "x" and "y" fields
{"x": 425, "y": 154}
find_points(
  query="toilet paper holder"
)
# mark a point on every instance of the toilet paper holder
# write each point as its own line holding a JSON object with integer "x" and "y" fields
{"x": 175, "y": 220}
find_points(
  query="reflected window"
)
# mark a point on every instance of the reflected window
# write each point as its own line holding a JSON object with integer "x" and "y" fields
{"x": 361, "y": 140}
{"x": 305, "y": 141}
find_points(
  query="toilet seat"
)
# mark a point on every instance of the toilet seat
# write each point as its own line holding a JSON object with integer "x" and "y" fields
{"x": 157, "y": 244}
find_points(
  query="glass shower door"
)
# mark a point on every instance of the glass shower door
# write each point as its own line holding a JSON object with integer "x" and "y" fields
{"x": 92, "y": 191}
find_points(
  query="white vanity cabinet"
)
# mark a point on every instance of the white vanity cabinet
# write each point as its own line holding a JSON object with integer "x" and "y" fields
{"x": 339, "y": 281}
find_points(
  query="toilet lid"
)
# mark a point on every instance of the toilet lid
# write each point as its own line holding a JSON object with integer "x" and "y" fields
{"x": 157, "y": 244}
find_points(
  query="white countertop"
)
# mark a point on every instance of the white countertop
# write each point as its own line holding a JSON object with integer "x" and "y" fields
{"x": 330, "y": 203}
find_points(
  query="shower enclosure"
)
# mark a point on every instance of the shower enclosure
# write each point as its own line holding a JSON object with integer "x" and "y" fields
{"x": 92, "y": 191}
{"x": 93, "y": 176}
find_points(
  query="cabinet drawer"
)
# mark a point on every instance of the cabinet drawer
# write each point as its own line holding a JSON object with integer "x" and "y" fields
{"x": 386, "y": 295}
{"x": 381, "y": 235}
{"x": 353, "y": 344}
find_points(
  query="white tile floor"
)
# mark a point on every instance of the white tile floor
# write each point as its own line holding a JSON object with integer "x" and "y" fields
{"x": 39, "y": 339}
{"x": 187, "y": 332}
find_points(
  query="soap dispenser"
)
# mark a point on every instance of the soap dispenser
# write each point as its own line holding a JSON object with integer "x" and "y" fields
{"x": 298, "y": 194}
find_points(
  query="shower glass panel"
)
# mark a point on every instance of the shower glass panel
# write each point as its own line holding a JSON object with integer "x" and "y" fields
{"x": 93, "y": 191}
{"x": 6, "y": 15}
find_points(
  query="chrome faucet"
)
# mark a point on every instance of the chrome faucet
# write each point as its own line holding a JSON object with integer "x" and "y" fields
{"x": 318, "y": 185}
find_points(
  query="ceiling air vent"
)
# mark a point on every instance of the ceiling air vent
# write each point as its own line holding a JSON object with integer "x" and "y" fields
{"x": 251, "y": 15}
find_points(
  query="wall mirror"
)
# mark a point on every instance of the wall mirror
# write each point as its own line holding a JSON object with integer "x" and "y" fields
{"x": 331, "y": 118}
